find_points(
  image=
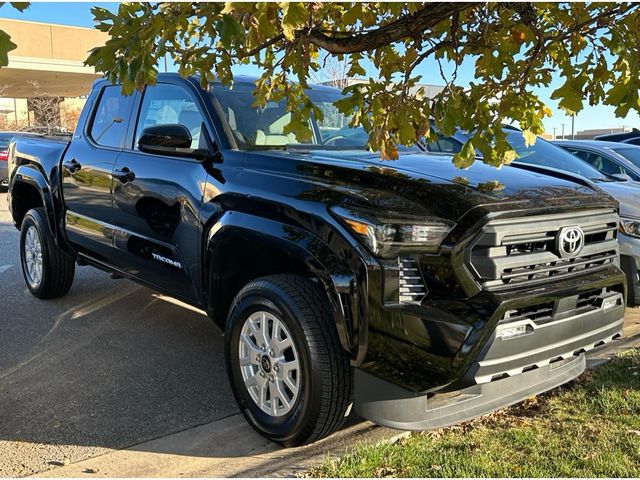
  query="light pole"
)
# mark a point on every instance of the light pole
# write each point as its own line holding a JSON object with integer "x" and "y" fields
{"x": 563, "y": 124}
{"x": 554, "y": 134}
{"x": 573, "y": 119}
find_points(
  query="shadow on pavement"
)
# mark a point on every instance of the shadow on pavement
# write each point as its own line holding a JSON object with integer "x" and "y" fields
{"x": 110, "y": 365}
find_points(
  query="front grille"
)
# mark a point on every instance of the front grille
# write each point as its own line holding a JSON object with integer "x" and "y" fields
{"x": 590, "y": 300}
{"x": 512, "y": 253}
{"x": 538, "y": 313}
{"x": 546, "y": 312}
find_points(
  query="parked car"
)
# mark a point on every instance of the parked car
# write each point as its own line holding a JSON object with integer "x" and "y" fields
{"x": 622, "y": 160}
{"x": 5, "y": 140}
{"x": 632, "y": 137}
{"x": 612, "y": 158}
{"x": 335, "y": 276}
{"x": 627, "y": 193}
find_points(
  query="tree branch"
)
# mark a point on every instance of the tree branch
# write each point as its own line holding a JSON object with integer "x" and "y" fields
{"x": 408, "y": 26}
{"x": 262, "y": 46}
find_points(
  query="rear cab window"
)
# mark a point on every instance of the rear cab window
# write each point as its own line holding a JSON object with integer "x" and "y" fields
{"x": 109, "y": 122}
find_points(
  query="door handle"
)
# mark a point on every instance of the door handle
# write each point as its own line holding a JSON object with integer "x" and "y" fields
{"x": 124, "y": 175}
{"x": 72, "y": 166}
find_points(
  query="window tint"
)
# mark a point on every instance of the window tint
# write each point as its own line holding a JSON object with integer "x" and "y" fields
{"x": 599, "y": 162}
{"x": 546, "y": 154}
{"x": 109, "y": 120}
{"x": 165, "y": 104}
{"x": 630, "y": 153}
{"x": 449, "y": 145}
{"x": 445, "y": 145}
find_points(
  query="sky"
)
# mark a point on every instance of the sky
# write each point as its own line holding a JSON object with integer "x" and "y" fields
{"x": 78, "y": 14}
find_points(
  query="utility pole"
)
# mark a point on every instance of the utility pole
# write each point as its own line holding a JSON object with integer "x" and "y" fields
{"x": 563, "y": 124}
{"x": 573, "y": 119}
{"x": 554, "y": 134}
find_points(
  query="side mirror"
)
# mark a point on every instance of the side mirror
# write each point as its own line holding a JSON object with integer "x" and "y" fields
{"x": 173, "y": 140}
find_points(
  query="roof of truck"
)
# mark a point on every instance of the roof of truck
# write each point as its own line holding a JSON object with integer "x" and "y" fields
{"x": 237, "y": 79}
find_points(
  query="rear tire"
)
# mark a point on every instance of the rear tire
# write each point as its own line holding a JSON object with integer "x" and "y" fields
{"x": 290, "y": 409}
{"x": 48, "y": 271}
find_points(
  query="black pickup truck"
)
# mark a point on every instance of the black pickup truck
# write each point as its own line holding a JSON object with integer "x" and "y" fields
{"x": 419, "y": 293}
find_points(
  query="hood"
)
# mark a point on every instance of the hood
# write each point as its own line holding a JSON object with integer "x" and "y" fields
{"x": 429, "y": 183}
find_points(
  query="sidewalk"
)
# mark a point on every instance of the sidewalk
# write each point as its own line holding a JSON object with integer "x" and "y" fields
{"x": 230, "y": 448}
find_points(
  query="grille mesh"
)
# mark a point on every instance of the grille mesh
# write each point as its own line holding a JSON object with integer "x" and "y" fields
{"x": 523, "y": 252}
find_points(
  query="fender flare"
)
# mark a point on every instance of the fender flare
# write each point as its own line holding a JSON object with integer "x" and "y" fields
{"x": 33, "y": 177}
{"x": 336, "y": 275}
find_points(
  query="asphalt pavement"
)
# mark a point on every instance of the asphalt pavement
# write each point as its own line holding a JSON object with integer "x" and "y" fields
{"x": 110, "y": 365}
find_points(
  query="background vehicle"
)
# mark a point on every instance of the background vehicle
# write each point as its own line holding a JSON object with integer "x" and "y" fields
{"x": 336, "y": 277}
{"x": 612, "y": 181}
{"x": 5, "y": 139}
{"x": 611, "y": 158}
{"x": 631, "y": 138}
{"x": 623, "y": 160}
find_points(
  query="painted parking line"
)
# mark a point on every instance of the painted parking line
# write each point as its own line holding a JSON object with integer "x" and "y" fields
{"x": 4, "y": 268}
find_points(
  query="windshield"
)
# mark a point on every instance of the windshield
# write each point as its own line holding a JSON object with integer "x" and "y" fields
{"x": 546, "y": 154}
{"x": 255, "y": 128}
{"x": 630, "y": 153}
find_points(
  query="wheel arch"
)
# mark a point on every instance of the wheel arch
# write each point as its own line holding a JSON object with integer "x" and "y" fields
{"x": 29, "y": 189}
{"x": 242, "y": 247}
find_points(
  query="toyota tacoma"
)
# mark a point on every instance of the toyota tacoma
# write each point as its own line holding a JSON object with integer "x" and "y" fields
{"x": 419, "y": 293}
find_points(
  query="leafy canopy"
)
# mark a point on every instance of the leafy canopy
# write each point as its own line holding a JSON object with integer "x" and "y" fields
{"x": 594, "y": 48}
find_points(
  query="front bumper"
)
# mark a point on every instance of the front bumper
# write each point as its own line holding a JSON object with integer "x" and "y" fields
{"x": 391, "y": 406}
{"x": 546, "y": 342}
{"x": 630, "y": 264}
{"x": 505, "y": 371}
{"x": 427, "y": 347}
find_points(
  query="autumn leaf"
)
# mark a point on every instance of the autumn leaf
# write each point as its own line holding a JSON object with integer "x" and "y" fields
{"x": 294, "y": 16}
{"x": 529, "y": 137}
{"x": 465, "y": 157}
{"x": 585, "y": 46}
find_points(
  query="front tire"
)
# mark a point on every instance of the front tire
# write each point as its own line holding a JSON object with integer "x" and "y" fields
{"x": 48, "y": 271}
{"x": 290, "y": 375}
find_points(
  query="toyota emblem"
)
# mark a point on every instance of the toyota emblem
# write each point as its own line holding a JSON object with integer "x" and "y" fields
{"x": 569, "y": 241}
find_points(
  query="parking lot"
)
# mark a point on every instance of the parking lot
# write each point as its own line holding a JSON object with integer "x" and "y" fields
{"x": 115, "y": 366}
{"x": 110, "y": 365}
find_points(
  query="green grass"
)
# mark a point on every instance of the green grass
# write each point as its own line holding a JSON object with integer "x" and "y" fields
{"x": 589, "y": 428}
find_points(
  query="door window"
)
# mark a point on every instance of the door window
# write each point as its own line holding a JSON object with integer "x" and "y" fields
{"x": 109, "y": 120}
{"x": 600, "y": 162}
{"x": 170, "y": 104}
{"x": 445, "y": 145}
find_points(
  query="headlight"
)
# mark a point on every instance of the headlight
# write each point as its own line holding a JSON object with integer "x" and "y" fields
{"x": 387, "y": 234}
{"x": 630, "y": 227}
